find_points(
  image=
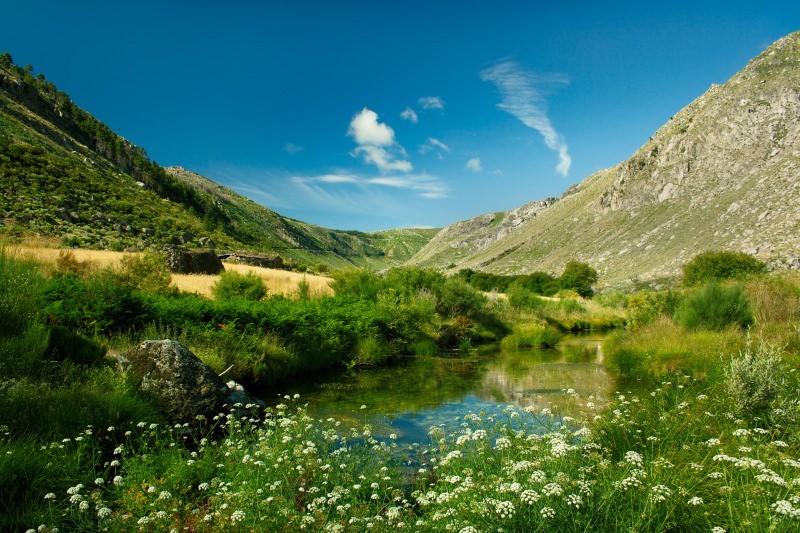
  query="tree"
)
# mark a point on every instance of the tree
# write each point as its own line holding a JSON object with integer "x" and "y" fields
{"x": 5, "y": 60}
{"x": 578, "y": 277}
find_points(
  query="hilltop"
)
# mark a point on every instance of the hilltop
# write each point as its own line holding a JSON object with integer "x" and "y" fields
{"x": 68, "y": 177}
{"x": 721, "y": 174}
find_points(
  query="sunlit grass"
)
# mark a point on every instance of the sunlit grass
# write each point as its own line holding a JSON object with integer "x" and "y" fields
{"x": 279, "y": 282}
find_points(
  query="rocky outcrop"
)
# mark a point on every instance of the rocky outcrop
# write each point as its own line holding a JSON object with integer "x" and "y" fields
{"x": 722, "y": 174}
{"x": 183, "y": 386}
{"x": 264, "y": 261}
{"x": 185, "y": 261}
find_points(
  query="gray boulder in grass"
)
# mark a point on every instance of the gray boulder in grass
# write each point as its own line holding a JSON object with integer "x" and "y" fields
{"x": 182, "y": 385}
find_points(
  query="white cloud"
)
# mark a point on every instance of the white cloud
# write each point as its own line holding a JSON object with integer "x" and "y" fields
{"x": 434, "y": 145}
{"x": 376, "y": 143}
{"x": 409, "y": 115}
{"x": 474, "y": 164}
{"x": 365, "y": 129}
{"x": 521, "y": 95}
{"x": 423, "y": 185}
{"x": 431, "y": 102}
{"x": 292, "y": 148}
{"x": 382, "y": 159}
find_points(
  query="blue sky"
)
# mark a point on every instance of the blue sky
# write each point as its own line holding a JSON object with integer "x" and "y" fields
{"x": 374, "y": 115}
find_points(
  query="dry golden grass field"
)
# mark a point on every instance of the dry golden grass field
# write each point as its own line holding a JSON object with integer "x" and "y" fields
{"x": 282, "y": 282}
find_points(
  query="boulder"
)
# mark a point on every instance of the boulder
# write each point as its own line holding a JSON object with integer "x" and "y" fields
{"x": 182, "y": 385}
{"x": 184, "y": 261}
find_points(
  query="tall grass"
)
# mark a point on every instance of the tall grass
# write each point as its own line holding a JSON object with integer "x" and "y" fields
{"x": 662, "y": 348}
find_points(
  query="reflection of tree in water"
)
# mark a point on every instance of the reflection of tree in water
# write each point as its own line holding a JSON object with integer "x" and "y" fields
{"x": 420, "y": 392}
{"x": 541, "y": 379}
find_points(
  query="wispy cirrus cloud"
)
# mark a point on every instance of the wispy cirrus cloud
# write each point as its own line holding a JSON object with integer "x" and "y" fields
{"x": 522, "y": 95}
{"x": 431, "y": 102}
{"x": 434, "y": 145}
{"x": 410, "y": 115}
{"x": 376, "y": 143}
{"x": 423, "y": 185}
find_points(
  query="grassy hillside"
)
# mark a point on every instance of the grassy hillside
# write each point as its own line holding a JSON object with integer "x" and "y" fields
{"x": 67, "y": 175}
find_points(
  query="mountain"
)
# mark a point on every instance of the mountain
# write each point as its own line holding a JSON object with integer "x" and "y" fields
{"x": 721, "y": 174}
{"x": 66, "y": 175}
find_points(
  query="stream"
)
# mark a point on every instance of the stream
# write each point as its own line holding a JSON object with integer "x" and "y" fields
{"x": 407, "y": 399}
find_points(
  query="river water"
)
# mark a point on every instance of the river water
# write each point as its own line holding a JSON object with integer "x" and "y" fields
{"x": 407, "y": 399}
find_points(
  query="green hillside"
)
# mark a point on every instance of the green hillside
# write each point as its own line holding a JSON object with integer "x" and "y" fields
{"x": 66, "y": 175}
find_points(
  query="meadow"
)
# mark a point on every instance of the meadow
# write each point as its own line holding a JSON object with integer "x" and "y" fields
{"x": 703, "y": 433}
{"x": 283, "y": 282}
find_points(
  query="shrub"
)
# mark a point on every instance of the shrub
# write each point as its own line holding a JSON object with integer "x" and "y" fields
{"x": 457, "y": 298}
{"x": 235, "y": 285}
{"x": 303, "y": 290}
{"x": 720, "y": 265}
{"x": 578, "y": 277}
{"x": 646, "y": 307}
{"x": 97, "y": 304}
{"x": 370, "y": 351}
{"x": 755, "y": 379}
{"x": 359, "y": 283}
{"x": 146, "y": 272}
{"x": 532, "y": 337}
{"x": 66, "y": 345}
{"x": 67, "y": 262}
{"x": 714, "y": 307}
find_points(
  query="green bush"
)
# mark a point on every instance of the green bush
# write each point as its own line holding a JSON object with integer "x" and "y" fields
{"x": 532, "y": 337}
{"x": 457, "y": 298}
{"x": 714, "y": 307}
{"x": 66, "y": 345}
{"x": 235, "y": 285}
{"x": 645, "y": 307}
{"x": 719, "y": 266}
{"x": 98, "y": 304}
{"x": 360, "y": 283}
{"x": 578, "y": 277}
{"x": 146, "y": 272}
{"x": 755, "y": 379}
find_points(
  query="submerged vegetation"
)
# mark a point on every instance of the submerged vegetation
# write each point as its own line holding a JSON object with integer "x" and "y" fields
{"x": 702, "y": 434}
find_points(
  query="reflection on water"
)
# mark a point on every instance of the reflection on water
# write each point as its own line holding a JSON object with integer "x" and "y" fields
{"x": 421, "y": 392}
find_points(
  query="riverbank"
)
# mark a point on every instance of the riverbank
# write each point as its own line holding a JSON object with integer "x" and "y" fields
{"x": 709, "y": 446}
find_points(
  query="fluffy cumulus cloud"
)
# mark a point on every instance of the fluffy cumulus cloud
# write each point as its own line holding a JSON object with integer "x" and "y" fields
{"x": 410, "y": 115}
{"x": 431, "y": 102}
{"x": 474, "y": 164}
{"x": 376, "y": 143}
{"x": 522, "y": 95}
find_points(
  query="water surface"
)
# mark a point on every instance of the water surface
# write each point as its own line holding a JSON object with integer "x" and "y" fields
{"x": 409, "y": 398}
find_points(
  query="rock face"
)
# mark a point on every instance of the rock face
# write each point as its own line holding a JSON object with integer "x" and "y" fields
{"x": 722, "y": 174}
{"x": 182, "y": 385}
{"x": 185, "y": 261}
{"x": 264, "y": 261}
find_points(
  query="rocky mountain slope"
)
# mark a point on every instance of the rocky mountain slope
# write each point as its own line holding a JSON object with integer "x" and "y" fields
{"x": 722, "y": 174}
{"x": 67, "y": 176}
